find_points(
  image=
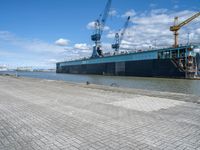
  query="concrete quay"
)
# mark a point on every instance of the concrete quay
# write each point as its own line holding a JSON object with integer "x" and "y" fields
{"x": 38, "y": 114}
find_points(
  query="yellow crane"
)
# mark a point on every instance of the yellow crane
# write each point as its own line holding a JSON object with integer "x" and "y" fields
{"x": 177, "y": 27}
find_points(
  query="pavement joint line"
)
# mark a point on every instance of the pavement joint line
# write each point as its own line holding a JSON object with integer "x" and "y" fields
{"x": 38, "y": 114}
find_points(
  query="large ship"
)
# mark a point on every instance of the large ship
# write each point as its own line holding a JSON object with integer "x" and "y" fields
{"x": 174, "y": 62}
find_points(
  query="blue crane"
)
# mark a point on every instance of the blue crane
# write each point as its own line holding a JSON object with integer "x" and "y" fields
{"x": 119, "y": 38}
{"x": 99, "y": 27}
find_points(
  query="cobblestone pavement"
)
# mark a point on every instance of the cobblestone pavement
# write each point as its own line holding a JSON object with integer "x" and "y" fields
{"x": 40, "y": 114}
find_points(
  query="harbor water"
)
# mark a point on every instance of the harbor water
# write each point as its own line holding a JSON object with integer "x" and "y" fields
{"x": 155, "y": 84}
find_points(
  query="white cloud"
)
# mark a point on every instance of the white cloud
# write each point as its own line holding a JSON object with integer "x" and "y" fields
{"x": 111, "y": 35}
{"x": 158, "y": 11}
{"x": 130, "y": 13}
{"x": 7, "y": 54}
{"x": 19, "y": 51}
{"x": 39, "y": 53}
{"x": 31, "y": 45}
{"x": 106, "y": 47}
{"x": 106, "y": 28}
{"x": 151, "y": 29}
{"x": 82, "y": 46}
{"x": 42, "y": 47}
{"x": 62, "y": 42}
{"x": 112, "y": 12}
{"x": 153, "y": 19}
{"x": 51, "y": 61}
{"x": 91, "y": 26}
{"x": 5, "y": 35}
{"x": 198, "y": 31}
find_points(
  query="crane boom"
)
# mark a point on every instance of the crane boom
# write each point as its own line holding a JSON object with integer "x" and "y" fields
{"x": 124, "y": 30}
{"x": 99, "y": 27}
{"x": 189, "y": 19}
{"x": 175, "y": 28}
{"x": 119, "y": 38}
{"x": 105, "y": 15}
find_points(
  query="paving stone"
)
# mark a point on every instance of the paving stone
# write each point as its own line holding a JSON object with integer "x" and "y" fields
{"x": 38, "y": 114}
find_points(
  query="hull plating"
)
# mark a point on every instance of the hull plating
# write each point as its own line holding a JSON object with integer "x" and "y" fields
{"x": 142, "y": 68}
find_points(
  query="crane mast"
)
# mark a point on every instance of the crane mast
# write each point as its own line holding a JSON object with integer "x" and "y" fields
{"x": 99, "y": 27}
{"x": 176, "y": 27}
{"x": 119, "y": 38}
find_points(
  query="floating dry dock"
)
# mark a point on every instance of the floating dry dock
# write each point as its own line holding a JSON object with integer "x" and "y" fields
{"x": 180, "y": 62}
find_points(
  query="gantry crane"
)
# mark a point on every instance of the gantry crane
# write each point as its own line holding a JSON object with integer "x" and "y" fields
{"x": 99, "y": 27}
{"x": 176, "y": 27}
{"x": 119, "y": 38}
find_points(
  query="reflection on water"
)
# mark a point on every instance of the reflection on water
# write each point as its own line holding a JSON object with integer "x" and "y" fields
{"x": 158, "y": 84}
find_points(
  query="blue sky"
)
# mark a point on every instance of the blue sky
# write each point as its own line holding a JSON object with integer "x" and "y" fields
{"x": 40, "y": 32}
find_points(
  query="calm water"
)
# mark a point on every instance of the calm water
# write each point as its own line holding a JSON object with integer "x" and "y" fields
{"x": 158, "y": 84}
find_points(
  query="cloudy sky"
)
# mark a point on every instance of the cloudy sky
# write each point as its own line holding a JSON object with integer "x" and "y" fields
{"x": 39, "y": 33}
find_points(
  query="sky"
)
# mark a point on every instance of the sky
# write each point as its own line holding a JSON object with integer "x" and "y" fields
{"x": 39, "y": 33}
